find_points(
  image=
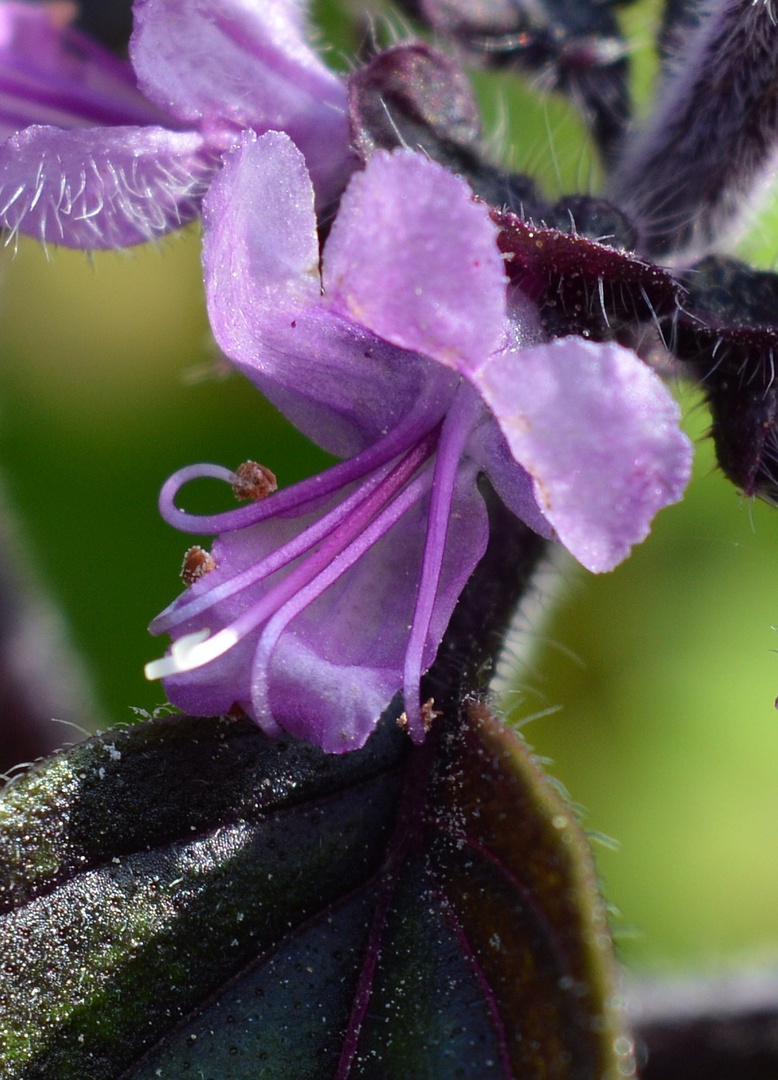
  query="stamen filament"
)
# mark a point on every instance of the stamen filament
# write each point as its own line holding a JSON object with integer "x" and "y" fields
{"x": 456, "y": 430}
{"x": 338, "y": 566}
{"x": 190, "y": 652}
{"x": 296, "y": 499}
{"x": 179, "y": 612}
{"x": 353, "y": 530}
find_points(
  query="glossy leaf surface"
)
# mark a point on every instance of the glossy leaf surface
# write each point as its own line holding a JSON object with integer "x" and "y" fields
{"x": 191, "y": 898}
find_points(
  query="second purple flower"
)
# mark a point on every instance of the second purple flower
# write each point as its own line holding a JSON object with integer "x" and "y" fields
{"x": 101, "y": 153}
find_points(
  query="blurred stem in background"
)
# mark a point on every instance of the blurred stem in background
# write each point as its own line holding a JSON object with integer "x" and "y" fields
{"x": 110, "y": 21}
{"x": 44, "y": 690}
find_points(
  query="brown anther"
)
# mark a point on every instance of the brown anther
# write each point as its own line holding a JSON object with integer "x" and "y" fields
{"x": 402, "y": 719}
{"x": 428, "y": 714}
{"x": 197, "y": 563}
{"x": 253, "y": 481}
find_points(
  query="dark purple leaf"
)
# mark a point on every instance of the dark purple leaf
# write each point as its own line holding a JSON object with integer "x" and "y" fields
{"x": 191, "y": 898}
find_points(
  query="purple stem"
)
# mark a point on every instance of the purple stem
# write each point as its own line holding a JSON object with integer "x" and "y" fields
{"x": 711, "y": 138}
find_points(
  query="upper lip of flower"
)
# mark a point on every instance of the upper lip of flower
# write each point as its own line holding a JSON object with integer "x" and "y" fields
{"x": 203, "y": 73}
{"x": 412, "y": 261}
{"x": 409, "y": 328}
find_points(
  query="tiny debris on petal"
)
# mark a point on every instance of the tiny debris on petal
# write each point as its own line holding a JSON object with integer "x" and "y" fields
{"x": 197, "y": 563}
{"x": 253, "y": 481}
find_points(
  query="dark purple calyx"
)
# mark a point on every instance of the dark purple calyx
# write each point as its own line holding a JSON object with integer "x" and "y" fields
{"x": 416, "y": 97}
{"x": 593, "y": 218}
{"x": 727, "y": 333}
{"x": 583, "y": 286}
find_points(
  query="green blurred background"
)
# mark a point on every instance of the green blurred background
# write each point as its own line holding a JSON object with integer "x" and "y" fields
{"x": 664, "y": 670}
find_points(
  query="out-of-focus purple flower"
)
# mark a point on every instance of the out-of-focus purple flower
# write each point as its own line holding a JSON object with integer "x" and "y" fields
{"x": 100, "y": 153}
{"x": 408, "y": 356}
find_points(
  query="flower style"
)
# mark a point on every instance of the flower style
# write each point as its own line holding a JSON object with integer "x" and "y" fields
{"x": 99, "y": 153}
{"x": 408, "y": 357}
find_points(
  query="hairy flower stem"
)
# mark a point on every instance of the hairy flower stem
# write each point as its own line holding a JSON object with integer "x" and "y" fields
{"x": 686, "y": 177}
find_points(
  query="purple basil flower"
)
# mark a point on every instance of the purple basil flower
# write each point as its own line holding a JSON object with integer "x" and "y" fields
{"x": 408, "y": 356}
{"x": 99, "y": 153}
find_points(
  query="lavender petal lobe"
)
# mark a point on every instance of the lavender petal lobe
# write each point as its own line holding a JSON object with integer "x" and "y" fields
{"x": 101, "y": 187}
